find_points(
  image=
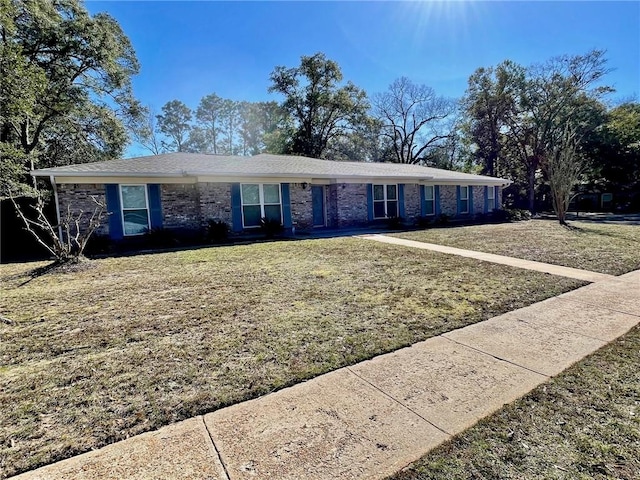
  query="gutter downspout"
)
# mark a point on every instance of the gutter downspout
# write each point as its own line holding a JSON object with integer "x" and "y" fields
{"x": 55, "y": 196}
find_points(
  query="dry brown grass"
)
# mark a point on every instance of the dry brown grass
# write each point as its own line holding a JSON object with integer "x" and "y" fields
{"x": 134, "y": 343}
{"x": 598, "y": 247}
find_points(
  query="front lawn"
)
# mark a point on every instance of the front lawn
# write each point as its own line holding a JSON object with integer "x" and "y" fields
{"x": 583, "y": 424}
{"x": 134, "y": 343}
{"x": 598, "y": 247}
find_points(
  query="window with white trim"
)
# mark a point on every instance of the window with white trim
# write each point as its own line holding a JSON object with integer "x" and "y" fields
{"x": 491, "y": 199}
{"x": 135, "y": 209}
{"x": 385, "y": 201}
{"x": 429, "y": 200}
{"x": 464, "y": 199}
{"x": 260, "y": 200}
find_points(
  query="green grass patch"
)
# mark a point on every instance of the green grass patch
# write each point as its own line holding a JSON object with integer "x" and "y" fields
{"x": 598, "y": 247}
{"x": 134, "y": 343}
{"x": 583, "y": 424}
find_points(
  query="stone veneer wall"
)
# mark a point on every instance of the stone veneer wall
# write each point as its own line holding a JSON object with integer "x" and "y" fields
{"x": 215, "y": 202}
{"x": 351, "y": 204}
{"x": 77, "y": 198}
{"x": 180, "y": 206}
{"x": 448, "y": 200}
{"x": 301, "y": 205}
{"x": 411, "y": 201}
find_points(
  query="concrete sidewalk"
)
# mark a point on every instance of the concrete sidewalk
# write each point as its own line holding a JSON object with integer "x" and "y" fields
{"x": 372, "y": 419}
{"x": 576, "y": 273}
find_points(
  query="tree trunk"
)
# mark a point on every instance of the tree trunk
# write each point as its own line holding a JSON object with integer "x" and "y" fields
{"x": 532, "y": 189}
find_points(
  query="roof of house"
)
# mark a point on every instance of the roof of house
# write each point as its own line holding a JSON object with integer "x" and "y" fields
{"x": 263, "y": 165}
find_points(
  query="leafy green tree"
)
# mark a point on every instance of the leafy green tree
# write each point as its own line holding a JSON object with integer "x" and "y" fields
{"x": 486, "y": 103}
{"x": 65, "y": 87}
{"x": 321, "y": 109}
{"x": 548, "y": 99}
{"x": 208, "y": 115}
{"x": 414, "y": 119}
{"x": 175, "y": 123}
{"x": 229, "y": 124}
{"x": 613, "y": 152}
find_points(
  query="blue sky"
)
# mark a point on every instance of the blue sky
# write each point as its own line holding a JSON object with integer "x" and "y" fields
{"x": 190, "y": 49}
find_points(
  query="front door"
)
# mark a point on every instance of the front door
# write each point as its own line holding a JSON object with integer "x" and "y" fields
{"x": 317, "y": 196}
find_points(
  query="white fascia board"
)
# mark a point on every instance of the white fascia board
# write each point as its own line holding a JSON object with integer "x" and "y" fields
{"x": 99, "y": 179}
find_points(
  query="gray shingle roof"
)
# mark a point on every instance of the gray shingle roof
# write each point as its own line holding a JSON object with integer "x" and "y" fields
{"x": 267, "y": 165}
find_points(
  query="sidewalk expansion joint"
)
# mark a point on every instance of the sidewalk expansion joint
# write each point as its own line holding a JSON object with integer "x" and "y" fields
{"x": 224, "y": 467}
{"x": 496, "y": 357}
{"x": 391, "y": 397}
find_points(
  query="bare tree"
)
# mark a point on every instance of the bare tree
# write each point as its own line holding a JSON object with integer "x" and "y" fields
{"x": 68, "y": 240}
{"x": 564, "y": 167}
{"x": 414, "y": 119}
{"x": 144, "y": 131}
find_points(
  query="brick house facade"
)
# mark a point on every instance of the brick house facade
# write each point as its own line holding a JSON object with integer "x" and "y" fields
{"x": 300, "y": 193}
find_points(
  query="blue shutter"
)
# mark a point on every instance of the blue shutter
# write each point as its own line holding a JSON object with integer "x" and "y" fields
{"x": 486, "y": 199}
{"x": 422, "y": 201}
{"x": 470, "y": 199}
{"x": 497, "y": 205}
{"x": 436, "y": 194}
{"x": 236, "y": 208}
{"x": 370, "y": 202}
{"x": 112, "y": 195}
{"x": 401, "y": 200}
{"x": 286, "y": 206}
{"x": 155, "y": 207}
{"x": 459, "y": 206}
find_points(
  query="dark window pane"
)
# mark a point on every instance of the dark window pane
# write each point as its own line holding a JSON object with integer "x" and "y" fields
{"x": 135, "y": 221}
{"x": 251, "y": 215}
{"x": 429, "y": 207}
{"x": 464, "y": 206}
{"x": 378, "y": 209}
{"x": 392, "y": 209}
{"x": 391, "y": 192}
{"x": 378, "y": 192}
{"x": 272, "y": 212}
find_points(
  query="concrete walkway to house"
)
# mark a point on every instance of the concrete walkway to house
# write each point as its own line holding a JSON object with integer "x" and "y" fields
{"x": 576, "y": 273}
{"x": 372, "y": 419}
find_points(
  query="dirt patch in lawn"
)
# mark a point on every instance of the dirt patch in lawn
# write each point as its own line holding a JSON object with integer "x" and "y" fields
{"x": 583, "y": 424}
{"x": 604, "y": 248}
{"x": 138, "y": 342}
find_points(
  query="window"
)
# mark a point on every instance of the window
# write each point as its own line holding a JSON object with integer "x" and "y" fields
{"x": 135, "y": 209}
{"x": 385, "y": 201}
{"x": 260, "y": 201}
{"x": 429, "y": 200}
{"x": 464, "y": 199}
{"x": 491, "y": 199}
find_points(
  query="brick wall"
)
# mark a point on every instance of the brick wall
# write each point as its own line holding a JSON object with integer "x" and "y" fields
{"x": 352, "y": 204}
{"x": 332, "y": 205}
{"x": 77, "y": 198}
{"x": 180, "y": 206}
{"x": 411, "y": 201}
{"x": 478, "y": 199}
{"x": 215, "y": 202}
{"x": 448, "y": 200}
{"x": 301, "y": 205}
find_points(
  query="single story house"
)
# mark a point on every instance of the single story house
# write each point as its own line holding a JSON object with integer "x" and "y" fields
{"x": 186, "y": 190}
